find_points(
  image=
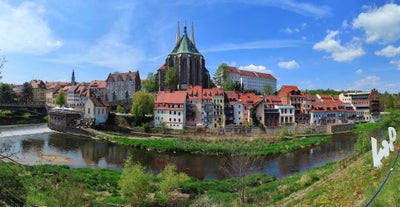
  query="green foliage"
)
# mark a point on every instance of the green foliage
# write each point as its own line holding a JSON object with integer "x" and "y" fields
{"x": 60, "y": 99}
{"x": 169, "y": 180}
{"x": 392, "y": 119}
{"x": 228, "y": 85}
{"x": 120, "y": 109}
{"x": 7, "y": 95}
{"x": 170, "y": 79}
{"x": 12, "y": 187}
{"x": 220, "y": 74}
{"x": 150, "y": 85}
{"x": 284, "y": 132}
{"x": 363, "y": 143}
{"x": 136, "y": 184}
{"x": 27, "y": 93}
{"x": 255, "y": 147}
{"x": 267, "y": 89}
{"x": 142, "y": 104}
{"x": 67, "y": 191}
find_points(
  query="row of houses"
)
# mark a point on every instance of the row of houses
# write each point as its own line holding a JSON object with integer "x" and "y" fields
{"x": 216, "y": 108}
{"x": 91, "y": 98}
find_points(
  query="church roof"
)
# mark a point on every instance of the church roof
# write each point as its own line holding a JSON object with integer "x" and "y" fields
{"x": 185, "y": 45}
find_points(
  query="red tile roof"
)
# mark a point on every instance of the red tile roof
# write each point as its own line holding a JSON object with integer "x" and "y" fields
{"x": 129, "y": 76}
{"x": 98, "y": 84}
{"x": 230, "y": 69}
{"x": 175, "y": 97}
{"x": 99, "y": 102}
{"x": 195, "y": 92}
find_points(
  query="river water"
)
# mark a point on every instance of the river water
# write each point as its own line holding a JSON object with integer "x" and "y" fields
{"x": 27, "y": 144}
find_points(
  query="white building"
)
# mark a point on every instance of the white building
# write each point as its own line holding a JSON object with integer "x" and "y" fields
{"x": 96, "y": 110}
{"x": 170, "y": 109}
{"x": 286, "y": 114}
{"x": 251, "y": 80}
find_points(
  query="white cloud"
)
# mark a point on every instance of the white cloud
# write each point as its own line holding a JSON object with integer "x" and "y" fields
{"x": 345, "y": 24}
{"x": 25, "y": 30}
{"x": 380, "y": 24}
{"x": 289, "y": 65}
{"x": 290, "y": 31}
{"x": 396, "y": 63}
{"x": 256, "y": 68}
{"x": 359, "y": 72}
{"x": 339, "y": 52}
{"x": 367, "y": 83}
{"x": 388, "y": 51}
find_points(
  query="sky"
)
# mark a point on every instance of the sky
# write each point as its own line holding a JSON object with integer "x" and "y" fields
{"x": 335, "y": 44}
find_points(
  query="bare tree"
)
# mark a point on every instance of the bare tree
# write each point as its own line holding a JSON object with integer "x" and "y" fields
{"x": 241, "y": 166}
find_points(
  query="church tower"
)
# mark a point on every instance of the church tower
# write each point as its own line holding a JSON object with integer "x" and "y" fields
{"x": 188, "y": 63}
{"x": 73, "y": 78}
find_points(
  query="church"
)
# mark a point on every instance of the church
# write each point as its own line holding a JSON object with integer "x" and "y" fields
{"x": 187, "y": 62}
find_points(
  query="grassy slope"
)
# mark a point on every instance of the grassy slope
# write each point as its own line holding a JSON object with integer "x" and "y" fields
{"x": 356, "y": 185}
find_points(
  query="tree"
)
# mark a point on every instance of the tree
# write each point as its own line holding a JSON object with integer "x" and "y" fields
{"x": 7, "y": 95}
{"x": 120, "y": 109}
{"x": 241, "y": 166}
{"x": 267, "y": 89}
{"x": 170, "y": 78}
{"x": 142, "y": 104}
{"x": 169, "y": 180}
{"x": 220, "y": 74}
{"x": 27, "y": 93}
{"x": 228, "y": 85}
{"x": 135, "y": 183}
{"x": 150, "y": 84}
{"x": 60, "y": 99}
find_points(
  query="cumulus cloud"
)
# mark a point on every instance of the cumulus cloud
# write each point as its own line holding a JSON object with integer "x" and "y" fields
{"x": 288, "y": 65}
{"x": 367, "y": 83}
{"x": 359, "y": 72}
{"x": 388, "y": 51}
{"x": 256, "y": 68}
{"x": 339, "y": 52}
{"x": 380, "y": 24}
{"x": 24, "y": 29}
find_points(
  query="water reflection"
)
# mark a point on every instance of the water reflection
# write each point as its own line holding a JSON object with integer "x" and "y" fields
{"x": 85, "y": 152}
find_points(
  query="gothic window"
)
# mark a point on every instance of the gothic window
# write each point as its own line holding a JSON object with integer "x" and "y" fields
{"x": 184, "y": 71}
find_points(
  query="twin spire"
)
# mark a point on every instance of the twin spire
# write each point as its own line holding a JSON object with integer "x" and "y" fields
{"x": 178, "y": 37}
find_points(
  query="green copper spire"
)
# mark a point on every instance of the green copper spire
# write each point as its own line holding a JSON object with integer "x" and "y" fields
{"x": 185, "y": 45}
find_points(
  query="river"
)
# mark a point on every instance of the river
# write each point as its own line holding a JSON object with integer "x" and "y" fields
{"x": 28, "y": 144}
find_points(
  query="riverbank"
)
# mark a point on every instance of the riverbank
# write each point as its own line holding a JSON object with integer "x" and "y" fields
{"x": 43, "y": 184}
{"x": 214, "y": 146}
{"x": 22, "y": 119}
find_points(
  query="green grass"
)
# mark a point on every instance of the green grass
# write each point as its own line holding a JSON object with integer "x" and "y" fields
{"x": 220, "y": 146}
{"x": 365, "y": 127}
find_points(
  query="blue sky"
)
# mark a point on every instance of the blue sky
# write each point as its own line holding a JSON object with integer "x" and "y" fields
{"x": 341, "y": 45}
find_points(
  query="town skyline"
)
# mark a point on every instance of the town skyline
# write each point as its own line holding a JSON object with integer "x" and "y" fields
{"x": 341, "y": 46}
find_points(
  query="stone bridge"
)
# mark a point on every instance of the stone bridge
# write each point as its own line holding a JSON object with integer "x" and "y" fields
{"x": 38, "y": 109}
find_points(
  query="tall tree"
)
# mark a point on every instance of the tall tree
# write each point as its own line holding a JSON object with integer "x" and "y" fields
{"x": 170, "y": 78}
{"x": 60, "y": 99}
{"x": 228, "y": 85}
{"x": 27, "y": 93}
{"x": 142, "y": 104}
{"x": 267, "y": 89}
{"x": 150, "y": 84}
{"x": 220, "y": 74}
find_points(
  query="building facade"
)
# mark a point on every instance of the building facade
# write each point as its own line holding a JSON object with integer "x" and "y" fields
{"x": 121, "y": 86}
{"x": 251, "y": 80}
